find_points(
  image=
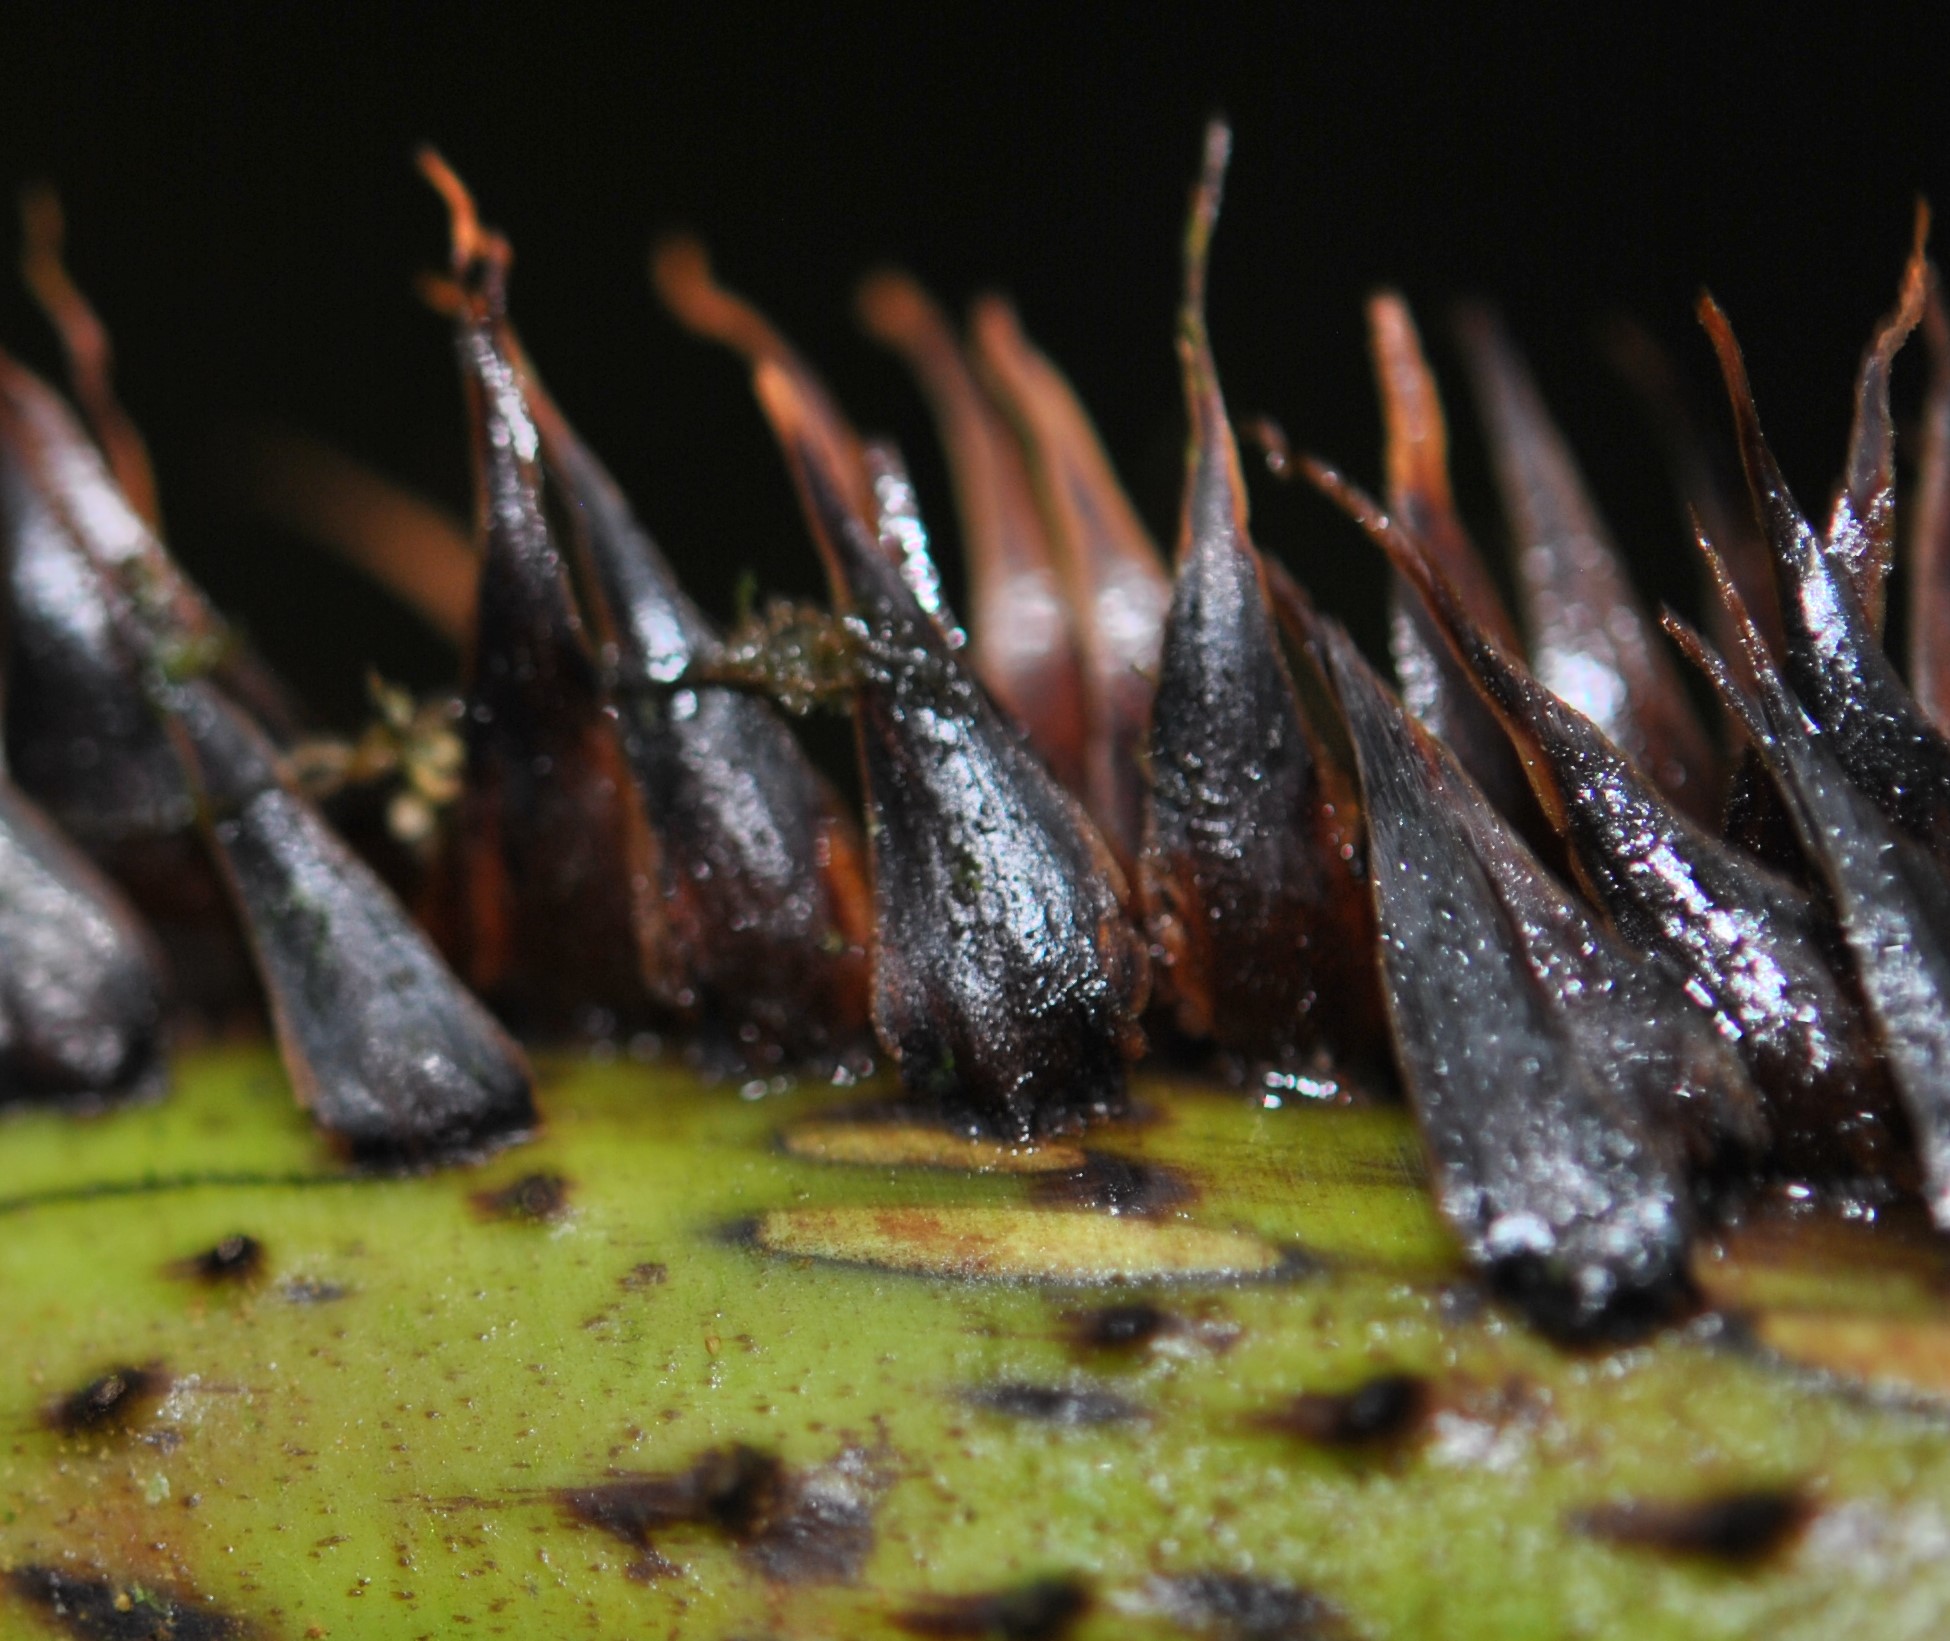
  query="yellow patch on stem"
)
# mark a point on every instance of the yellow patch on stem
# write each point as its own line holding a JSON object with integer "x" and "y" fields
{"x": 1017, "y": 1244}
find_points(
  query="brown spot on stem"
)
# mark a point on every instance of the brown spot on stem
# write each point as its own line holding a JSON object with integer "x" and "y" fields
{"x": 1068, "y": 1406}
{"x": 731, "y": 1488}
{"x": 534, "y": 1198}
{"x": 238, "y": 1258}
{"x": 94, "y": 1609}
{"x": 1240, "y": 1607}
{"x": 1741, "y": 1528}
{"x": 1119, "y": 1327}
{"x": 1386, "y": 1409}
{"x": 111, "y": 1401}
{"x": 650, "y": 1273}
{"x": 796, "y": 1527}
{"x": 1045, "y": 1609}
{"x": 1117, "y": 1185}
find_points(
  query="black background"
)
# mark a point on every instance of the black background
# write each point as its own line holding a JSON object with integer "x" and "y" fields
{"x": 245, "y": 214}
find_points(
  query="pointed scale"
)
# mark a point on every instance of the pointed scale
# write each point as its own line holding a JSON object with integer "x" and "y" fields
{"x": 82, "y": 738}
{"x": 384, "y": 1047}
{"x": 1007, "y": 977}
{"x": 1758, "y": 952}
{"x": 1115, "y": 580}
{"x": 763, "y": 875}
{"x": 81, "y": 996}
{"x": 1929, "y": 540}
{"x": 1558, "y": 1081}
{"x": 1862, "y": 524}
{"x": 1834, "y": 660}
{"x": 1417, "y": 453}
{"x": 1591, "y": 640}
{"x": 903, "y": 535}
{"x": 1250, "y": 873}
{"x": 553, "y": 914}
{"x": 81, "y": 733}
{"x": 1891, "y": 896}
{"x": 1022, "y": 644}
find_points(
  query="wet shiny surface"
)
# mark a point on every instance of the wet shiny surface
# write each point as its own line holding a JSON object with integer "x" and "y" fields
{"x": 1558, "y": 1080}
{"x": 1759, "y": 953}
{"x": 1894, "y": 905}
{"x": 81, "y": 989}
{"x": 1862, "y": 525}
{"x": 549, "y": 899}
{"x": 1007, "y": 978}
{"x": 1834, "y": 659}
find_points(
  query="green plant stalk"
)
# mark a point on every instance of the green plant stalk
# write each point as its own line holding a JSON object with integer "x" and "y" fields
{"x": 386, "y": 1463}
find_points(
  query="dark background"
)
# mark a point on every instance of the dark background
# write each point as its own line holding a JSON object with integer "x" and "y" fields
{"x": 244, "y": 212}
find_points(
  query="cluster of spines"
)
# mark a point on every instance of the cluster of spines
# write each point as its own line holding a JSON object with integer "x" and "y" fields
{"x": 1125, "y": 793}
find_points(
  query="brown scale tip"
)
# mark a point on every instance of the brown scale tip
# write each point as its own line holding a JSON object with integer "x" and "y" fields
{"x": 1417, "y": 444}
{"x": 471, "y": 242}
{"x": 895, "y": 309}
{"x": 1862, "y": 525}
{"x": 91, "y": 355}
{"x": 680, "y": 269}
{"x": 1207, "y": 195}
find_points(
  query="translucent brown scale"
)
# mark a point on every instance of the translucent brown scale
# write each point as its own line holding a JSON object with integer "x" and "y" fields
{"x": 1434, "y": 687}
{"x": 1130, "y": 814}
{"x": 1251, "y": 869}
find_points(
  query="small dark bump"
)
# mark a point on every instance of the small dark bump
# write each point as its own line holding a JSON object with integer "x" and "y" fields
{"x": 237, "y": 1258}
{"x": 1119, "y": 1327}
{"x": 1239, "y": 1607}
{"x": 1386, "y": 1409}
{"x": 1116, "y": 1185}
{"x": 1046, "y": 1609}
{"x": 1740, "y": 1528}
{"x": 110, "y": 1401}
{"x": 94, "y": 1609}
{"x": 650, "y": 1274}
{"x": 534, "y": 1198}
{"x": 1065, "y": 1405}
